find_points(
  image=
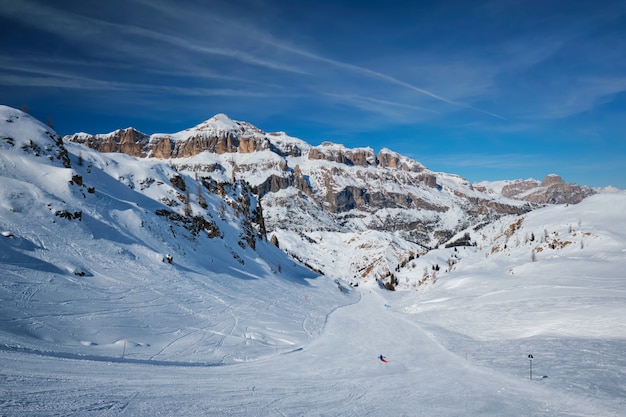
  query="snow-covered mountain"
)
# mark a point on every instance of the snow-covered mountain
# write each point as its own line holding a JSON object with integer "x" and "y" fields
{"x": 136, "y": 286}
{"x": 552, "y": 190}
{"x": 98, "y": 232}
{"x": 385, "y": 206}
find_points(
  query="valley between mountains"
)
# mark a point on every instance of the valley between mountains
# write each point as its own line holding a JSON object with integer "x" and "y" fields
{"x": 223, "y": 270}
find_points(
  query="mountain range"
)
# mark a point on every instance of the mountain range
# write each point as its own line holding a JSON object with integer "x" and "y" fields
{"x": 385, "y": 208}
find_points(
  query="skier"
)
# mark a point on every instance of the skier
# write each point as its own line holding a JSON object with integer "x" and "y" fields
{"x": 383, "y": 359}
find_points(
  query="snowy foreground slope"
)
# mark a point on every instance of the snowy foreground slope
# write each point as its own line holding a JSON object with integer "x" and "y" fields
{"x": 94, "y": 322}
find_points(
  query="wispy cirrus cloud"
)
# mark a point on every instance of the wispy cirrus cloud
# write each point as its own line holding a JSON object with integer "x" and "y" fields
{"x": 375, "y": 75}
{"x": 263, "y": 57}
{"x": 73, "y": 68}
{"x": 392, "y": 111}
{"x": 281, "y": 56}
{"x": 84, "y": 83}
{"x": 113, "y": 36}
{"x": 579, "y": 95}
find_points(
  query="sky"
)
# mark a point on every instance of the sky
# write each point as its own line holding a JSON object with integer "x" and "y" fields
{"x": 489, "y": 90}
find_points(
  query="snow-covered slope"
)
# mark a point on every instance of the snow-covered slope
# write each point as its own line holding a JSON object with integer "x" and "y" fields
{"x": 99, "y": 257}
{"x": 94, "y": 320}
{"x": 307, "y": 190}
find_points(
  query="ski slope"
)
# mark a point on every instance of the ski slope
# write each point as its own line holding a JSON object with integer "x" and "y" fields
{"x": 337, "y": 374}
{"x": 95, "y": 322}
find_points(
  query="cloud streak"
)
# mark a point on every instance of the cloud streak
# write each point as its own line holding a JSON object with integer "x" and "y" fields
{"x": 81, "y": 29}
{"x": 268, "y": 39}
{"x": 374, "y": 74}
{"x": 581, "y": 95}
{"x": 72, "y": 82}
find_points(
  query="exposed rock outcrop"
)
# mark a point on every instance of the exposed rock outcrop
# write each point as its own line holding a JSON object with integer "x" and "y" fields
{"x": 393, "y": 160}
{"x": 129, "y": 141}
{"x": 337, "y": 153}
{"x": 552, "y": 190}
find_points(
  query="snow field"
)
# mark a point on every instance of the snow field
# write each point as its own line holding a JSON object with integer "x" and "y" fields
{"x": 338, "y": 374}
{"x": 95, "y": 322}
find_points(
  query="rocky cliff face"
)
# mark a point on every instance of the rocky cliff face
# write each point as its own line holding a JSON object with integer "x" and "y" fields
{"x": 306, "y": 189}
{"x": 552, "y": 190}
{"x": 128, "y": 141}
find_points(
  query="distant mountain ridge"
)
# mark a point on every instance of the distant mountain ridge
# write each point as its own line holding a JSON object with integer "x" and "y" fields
{"x": 552, "y": 190}
{"x": 220, "y": 135}
{"x": 385, "y": 208}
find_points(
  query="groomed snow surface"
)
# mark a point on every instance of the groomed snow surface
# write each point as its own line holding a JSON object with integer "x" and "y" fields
{"x": 456, "y": 348}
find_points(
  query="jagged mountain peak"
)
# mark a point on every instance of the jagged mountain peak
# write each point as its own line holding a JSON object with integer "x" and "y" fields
{"x": 551, "y": 190}
{"x": 218, "y": 123}
{"x": 552, "y": 179}
{"x": 391, "y": 159}
{"x": 221, "y": 118}
{"x": 128, "y": 129}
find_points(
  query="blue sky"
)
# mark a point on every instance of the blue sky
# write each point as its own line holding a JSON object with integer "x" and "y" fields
{"x": 488, "y": 90}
